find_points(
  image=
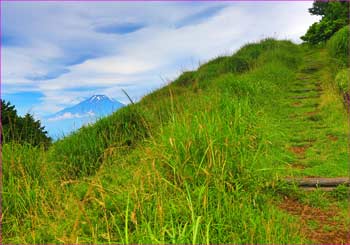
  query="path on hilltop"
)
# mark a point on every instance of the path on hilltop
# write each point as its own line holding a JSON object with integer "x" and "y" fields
{"x": 315, "y": 123}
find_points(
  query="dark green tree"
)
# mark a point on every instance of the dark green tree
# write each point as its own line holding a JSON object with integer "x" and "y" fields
{"x": 335, "y": 15}
{"x": 319, "y": 8}
{"x": 9, "y": 118}
{"x": 21, "y": 129}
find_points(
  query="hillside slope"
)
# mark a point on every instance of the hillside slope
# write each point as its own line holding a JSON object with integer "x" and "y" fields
{"x": 201, "y": 160}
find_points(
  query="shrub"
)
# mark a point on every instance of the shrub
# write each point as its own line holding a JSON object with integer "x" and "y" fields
{"x": 343, "y": 80}
{"x": 338, "y": 45}
{"x": 335, "y": 15}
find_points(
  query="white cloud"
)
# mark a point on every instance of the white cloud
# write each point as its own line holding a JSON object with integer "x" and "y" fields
{"x": 56, "y": 33}
{"x": 114, "y": 65}
{"x": 69, "y": 115}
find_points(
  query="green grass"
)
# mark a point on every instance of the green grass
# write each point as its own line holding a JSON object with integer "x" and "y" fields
{"x": 198, "y": 161}
{"x": 338, "y": 46}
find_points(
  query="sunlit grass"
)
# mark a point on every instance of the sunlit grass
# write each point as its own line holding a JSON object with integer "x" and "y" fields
{"x": 198, "y": 161}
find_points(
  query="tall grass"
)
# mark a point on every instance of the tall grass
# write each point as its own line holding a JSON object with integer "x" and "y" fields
{"x": 343, "y": 80}
{"x": 338, "y": 46}
{"x": 81, "y": 153}
{"x": 193, "y": 162}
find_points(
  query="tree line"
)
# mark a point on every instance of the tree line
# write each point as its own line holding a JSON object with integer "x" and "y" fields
{"x": 26, "y": 129}
{"x": 334, "y": 16}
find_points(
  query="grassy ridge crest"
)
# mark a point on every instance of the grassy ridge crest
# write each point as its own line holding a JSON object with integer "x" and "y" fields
{"x": 197, "y": 161}
{"x": 81, "y": 152}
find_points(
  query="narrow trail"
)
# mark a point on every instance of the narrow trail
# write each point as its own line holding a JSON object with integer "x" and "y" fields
{"x": 304, "y": 122}
{"x": 319, "y": 149}
{"x": 320, "y": 226}
{"x": 315, "y": 124}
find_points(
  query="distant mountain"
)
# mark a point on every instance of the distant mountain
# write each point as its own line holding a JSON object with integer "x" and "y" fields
{"x": 87, "y": 111}
{"x": 95, "y": 106}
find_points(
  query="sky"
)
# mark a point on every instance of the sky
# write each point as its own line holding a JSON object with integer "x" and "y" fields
{"x": 56, "y": 54}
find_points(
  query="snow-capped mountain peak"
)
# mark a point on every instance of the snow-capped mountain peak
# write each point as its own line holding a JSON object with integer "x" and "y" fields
{"x": 98, "y": 98}
{"x": 87, "y": 111}
{"x": 100, "y": 105}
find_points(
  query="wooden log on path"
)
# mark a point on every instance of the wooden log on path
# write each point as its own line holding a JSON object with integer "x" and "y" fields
{"x": 319, "y": 182}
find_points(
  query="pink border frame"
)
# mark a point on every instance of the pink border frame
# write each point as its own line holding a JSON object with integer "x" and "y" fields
{"x": 113, "y": 1}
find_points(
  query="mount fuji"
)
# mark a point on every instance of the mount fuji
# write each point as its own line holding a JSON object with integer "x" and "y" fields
{"x": 86, "y": 112}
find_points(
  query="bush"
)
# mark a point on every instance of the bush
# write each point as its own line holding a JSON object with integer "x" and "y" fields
{"x": 338, "y": 45}
{"x": 343, "y": 80}
{"x": 335, "y": 15}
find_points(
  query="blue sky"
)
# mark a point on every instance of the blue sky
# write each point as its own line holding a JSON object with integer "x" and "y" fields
{"x": 56, "y": 54}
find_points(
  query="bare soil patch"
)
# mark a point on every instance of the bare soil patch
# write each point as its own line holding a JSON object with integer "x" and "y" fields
{"x": 296, "y": 104}
{"x": 298, "y": 165}
{"x": 330, "y": 229}
{"x": 299, "y": 150}
{"x": 311, "y": 113}
{"x": 332, "y": 137}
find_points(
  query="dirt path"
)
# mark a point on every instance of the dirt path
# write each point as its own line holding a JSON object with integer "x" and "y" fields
{"x": 321, "y": 226}
{"x": 319, "y": 147}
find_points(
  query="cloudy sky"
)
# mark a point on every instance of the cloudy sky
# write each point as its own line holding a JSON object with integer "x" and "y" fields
{"x": 56, "y": 54}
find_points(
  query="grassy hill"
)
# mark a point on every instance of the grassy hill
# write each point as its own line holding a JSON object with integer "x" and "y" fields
{"x": 201, "y": 160}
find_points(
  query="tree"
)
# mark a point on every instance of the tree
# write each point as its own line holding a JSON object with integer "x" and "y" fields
{"x": 335, "y": 15}
{"x": 318, "y": 8}
{"x": 21, "y": 129}
{"x": 9, "y": 118}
